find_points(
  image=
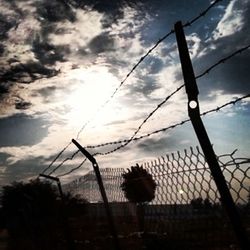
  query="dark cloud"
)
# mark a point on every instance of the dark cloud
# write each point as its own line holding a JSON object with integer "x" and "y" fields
{"x": 145, "y": 86}
{"x": 153, "y": 64}
{"x": 47, "y": 53}
{"x": 4, "y": 88}
{"x": 1, "y": 49}
{"x": 22, "y": 130}
{"x": 24, "y": 169}
{"x": 156, "y": 145}
{"x": 55, "y": 11}
{"x": 5, "y": 25}
{"x": 47, "y": 92}
{"x": 3, "y": 158}
{"x": 22, "y": 105}
{"x": 26, "y": 72}
{"x": 101, "y": 43}
{"x": 180, "y": 138}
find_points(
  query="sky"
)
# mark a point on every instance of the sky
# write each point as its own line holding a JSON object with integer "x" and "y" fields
{"x": 61, "y": 60}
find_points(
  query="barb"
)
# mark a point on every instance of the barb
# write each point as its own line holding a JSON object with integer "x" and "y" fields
{"x": 223, "y": 60}
{"x": 233, "y": 102}
{"x": 202, "y": 14}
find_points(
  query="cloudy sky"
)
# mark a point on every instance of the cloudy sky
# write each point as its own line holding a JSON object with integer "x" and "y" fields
{"x": 61, "y": 60}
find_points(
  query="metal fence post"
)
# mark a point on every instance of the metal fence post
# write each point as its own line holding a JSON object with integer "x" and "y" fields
{"x": 65, "y": 222}
{"x": 194, "y": 114}
{"x": 103, "y": 193}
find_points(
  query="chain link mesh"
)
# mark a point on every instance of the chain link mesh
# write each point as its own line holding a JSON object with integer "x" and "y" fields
{"x": 186, "y": 212}
{"x": 180, "y": 178}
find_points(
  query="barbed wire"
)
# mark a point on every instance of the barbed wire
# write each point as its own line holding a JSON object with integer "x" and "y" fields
{"x": 189, "y": 23}
{"x": 208, "y": 70}
{"x": 132, "y": 137}
{"x": 72, "y": 170}
{"x": 233, "y": 102}
{"x": 148, "y": 117}
{"x": 202, "y": 14}
{"x": 175, "y": 125}
{"x": 223, "y": 60}
{"x": 65, "y": 160}
{"x": 55, "y": 159}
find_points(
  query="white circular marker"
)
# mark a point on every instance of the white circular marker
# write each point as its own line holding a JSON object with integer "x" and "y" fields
{"x": 193, "y": 104}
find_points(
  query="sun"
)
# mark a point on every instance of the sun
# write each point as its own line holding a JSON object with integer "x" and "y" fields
{"x": 92, "y": 88}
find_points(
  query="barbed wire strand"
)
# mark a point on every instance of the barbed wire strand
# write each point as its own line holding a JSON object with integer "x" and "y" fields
{"x": 137, "y": 130}
{"x": 73, "y": 169}
{"x": 233, "y": 102}
{"x": 55, "y": 159}
{"x": 189, "y": 23}
{"x": 223, "y": 60}
{"x": 65, "y": 160}
{"x": 181, "y": 123}
{"x": 208, "y": 70}
{"x": 135, "y": 133}
{"x": 202, "y": 14}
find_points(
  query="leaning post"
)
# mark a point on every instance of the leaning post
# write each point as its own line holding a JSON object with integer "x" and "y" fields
{"x": 194, "y": 114}
{"x": 102, "y": 191}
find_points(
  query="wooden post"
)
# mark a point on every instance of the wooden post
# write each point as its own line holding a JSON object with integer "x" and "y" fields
{"x": 194, "y": 114}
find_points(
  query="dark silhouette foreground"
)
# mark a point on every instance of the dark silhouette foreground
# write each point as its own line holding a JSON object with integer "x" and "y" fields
{"x": 34, "y": 215}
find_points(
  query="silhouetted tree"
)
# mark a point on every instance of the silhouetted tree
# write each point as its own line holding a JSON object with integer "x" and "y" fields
{"x": 33, "y": 215}
{"x": 139, "y": 187}
{"x": 201, "y": 205}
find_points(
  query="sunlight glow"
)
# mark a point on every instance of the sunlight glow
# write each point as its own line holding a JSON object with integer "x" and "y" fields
{"x": 181, "y": 191}
{"x": 94, "y": 86}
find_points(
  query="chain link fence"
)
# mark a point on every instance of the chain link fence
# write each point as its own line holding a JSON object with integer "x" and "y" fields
{"x": 186, "y": 209}
{"x": 180, "y": 177}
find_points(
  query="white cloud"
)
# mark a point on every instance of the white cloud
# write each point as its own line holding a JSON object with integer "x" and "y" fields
{"x": 79, "y": 33}
{"x": 194, "y": 44}
{"x": 231, "y": 22}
